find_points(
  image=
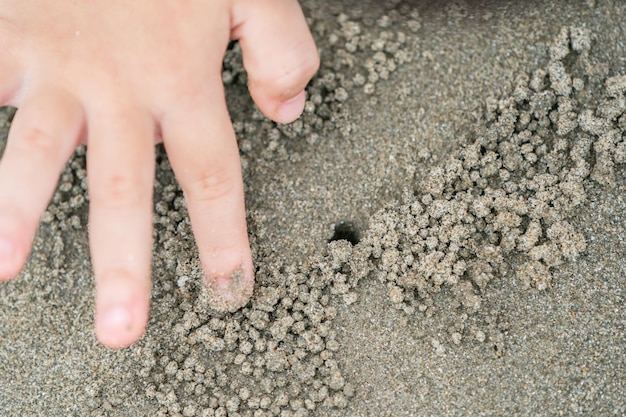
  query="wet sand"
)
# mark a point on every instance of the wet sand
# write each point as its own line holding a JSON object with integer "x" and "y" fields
{"x": 473, "y": 153}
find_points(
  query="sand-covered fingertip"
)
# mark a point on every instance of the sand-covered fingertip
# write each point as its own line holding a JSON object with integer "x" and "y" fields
{"x": 227, "y": 293}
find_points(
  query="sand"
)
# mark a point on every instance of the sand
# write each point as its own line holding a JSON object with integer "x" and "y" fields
{"x": 442, "y": 233}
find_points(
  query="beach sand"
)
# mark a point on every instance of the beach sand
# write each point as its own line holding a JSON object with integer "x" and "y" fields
{"x": 441, "y": 233}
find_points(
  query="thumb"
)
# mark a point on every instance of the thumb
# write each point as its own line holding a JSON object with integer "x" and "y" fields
{"x": 279, "y": 55}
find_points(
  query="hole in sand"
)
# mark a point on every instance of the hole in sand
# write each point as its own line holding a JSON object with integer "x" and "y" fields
{"x": 346, "y": 230}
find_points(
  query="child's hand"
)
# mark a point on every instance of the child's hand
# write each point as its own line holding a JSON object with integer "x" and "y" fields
{"x": 120, "y": 76}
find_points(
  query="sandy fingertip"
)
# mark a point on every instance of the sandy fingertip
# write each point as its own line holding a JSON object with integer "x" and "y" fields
{"x": 229, "y": 292}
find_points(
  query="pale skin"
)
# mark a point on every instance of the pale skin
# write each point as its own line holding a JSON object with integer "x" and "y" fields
{"x": 121, "y": 76}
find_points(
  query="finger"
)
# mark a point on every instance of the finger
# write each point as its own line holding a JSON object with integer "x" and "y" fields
{"x": 120, "y": 167}
{"x": 279, "y": 55}
{"x": 202, "y": 149}
{"x": 43, "y": 135}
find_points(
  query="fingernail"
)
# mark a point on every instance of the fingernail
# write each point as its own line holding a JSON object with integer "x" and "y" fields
{"x": 291, "y": 109}
{"x": 7, "y": 249}
{"x": 115, "y": 319}
{"x": 224, "y": 287}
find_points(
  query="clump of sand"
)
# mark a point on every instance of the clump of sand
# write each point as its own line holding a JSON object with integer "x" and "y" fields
{"x": 502, "y": 205}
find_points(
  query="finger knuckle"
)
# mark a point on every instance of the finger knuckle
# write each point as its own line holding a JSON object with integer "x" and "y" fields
{"x": 184, "y": 91}
{"x": 183, "y": 87}
{"x": 293, "y": 78}
{"x": 38, "y": 141}
{"x": 117, "y": 190}
{"x": 211, "y": 186}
